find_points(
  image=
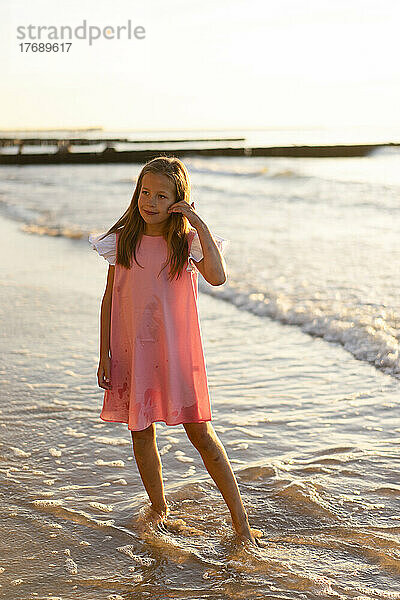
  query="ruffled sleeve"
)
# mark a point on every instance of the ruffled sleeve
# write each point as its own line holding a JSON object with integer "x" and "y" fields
{"x": 106, "y": 247}
{"x": 196, "y": 251}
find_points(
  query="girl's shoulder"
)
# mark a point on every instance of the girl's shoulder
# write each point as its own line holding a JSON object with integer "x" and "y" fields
{"x": 105, "y": 246}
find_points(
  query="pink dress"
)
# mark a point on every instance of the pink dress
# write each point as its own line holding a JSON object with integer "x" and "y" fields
{"x": 158, "y": 370}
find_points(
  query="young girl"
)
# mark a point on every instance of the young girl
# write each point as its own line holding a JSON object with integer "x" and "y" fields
{"x": 151, "y": 355}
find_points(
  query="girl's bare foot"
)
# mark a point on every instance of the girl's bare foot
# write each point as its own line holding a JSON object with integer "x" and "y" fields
{"x": 159, "y": 513}
{"x": 149, "y": 515}
{"x": 250, "y": 534}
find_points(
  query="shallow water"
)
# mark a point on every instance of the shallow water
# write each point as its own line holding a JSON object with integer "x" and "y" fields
{"x": 312, "y": 433}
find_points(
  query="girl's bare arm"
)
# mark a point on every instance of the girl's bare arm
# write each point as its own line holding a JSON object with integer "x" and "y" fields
{"x": 105, "y": 319}
{"x": 104, "y": 369}
{"x": 212, "y": 266}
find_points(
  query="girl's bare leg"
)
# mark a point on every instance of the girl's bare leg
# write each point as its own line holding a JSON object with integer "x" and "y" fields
{"x": 150, "y": 468}
{"x": 206, "y": 441}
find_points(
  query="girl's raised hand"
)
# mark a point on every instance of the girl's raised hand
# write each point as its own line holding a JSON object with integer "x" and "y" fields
{"x": 103, "y": 373}
{"x": 187, "y": 210}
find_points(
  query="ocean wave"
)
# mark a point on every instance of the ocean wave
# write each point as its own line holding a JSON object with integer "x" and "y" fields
{"x": 263, "y": 170}
{"x": 371, "y": 333}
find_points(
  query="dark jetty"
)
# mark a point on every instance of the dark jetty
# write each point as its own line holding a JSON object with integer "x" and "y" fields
{"x": 63, "y": 152}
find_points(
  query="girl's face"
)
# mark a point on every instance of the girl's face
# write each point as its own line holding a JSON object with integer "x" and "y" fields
{"x": 157, "y": 194}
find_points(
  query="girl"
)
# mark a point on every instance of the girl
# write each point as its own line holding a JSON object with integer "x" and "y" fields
{"x": 152, "y": 365}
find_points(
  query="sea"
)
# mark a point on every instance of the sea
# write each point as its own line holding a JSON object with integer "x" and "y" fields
{"x": 302, "y": 355}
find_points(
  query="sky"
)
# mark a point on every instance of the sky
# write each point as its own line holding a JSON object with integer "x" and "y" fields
{"x": 214, "y": 64}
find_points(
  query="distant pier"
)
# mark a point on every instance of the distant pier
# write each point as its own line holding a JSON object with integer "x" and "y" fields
{"x": 66, "y": 150}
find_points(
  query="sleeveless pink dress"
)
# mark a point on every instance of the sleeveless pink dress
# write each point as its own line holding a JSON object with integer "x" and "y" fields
{"x": 158, "y": 370}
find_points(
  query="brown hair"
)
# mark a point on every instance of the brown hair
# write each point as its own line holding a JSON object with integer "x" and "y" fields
{"x": 131, "y": 226}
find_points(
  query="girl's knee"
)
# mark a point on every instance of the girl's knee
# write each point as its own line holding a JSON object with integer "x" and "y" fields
{"x": 201, "y": 435}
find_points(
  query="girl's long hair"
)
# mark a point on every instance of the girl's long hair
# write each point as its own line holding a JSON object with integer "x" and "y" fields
{"x": 131, "y": 226}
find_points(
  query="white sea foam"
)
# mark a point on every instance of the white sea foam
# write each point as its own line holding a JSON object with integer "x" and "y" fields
{"x": 129, "y": 550}
{"x": 181, "y": 456}
{"x": 165, "y": 449}
{"x": 109, "y": 463}
{"x": 74, "y": 433}
{"x": 71, "y": 566}
{"x": 172, "y": 439}
{"x": 191, "y": 471}
{"x": 48, "y": 502}
{"x": 102, "y": 507}
{"x": 20, "y": 452}
{"x": 55, "y": 452}
{"x": 111, "y": 441}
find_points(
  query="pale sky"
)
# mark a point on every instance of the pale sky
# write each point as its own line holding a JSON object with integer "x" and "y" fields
{"x": 209, "y": 64}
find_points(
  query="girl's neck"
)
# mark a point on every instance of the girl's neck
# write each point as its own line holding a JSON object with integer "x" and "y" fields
{"x": 150, "y": 232}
